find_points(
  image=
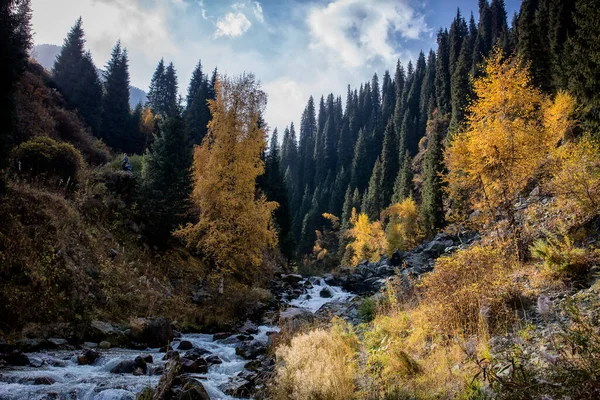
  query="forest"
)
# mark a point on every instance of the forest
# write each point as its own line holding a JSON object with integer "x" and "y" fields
{"x": 446, "y": 217}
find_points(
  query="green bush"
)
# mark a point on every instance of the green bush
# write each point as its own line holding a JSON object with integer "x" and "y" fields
{"x": 45, "y": 158}
{"x": 561, "y": 258}
{"x": 367, "y": 309}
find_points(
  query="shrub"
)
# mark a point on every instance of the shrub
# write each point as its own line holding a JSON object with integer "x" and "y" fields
{"x": 42, "y": 156}
{"x": 367, "y": 309}
{"x": 470, "y": 288}
{"x": 320, "y": 364}
{"x": 561, "y": 258}
{"x": 576, "y": 178}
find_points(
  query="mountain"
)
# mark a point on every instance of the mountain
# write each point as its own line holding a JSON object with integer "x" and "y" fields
{"x": 45, "y": 54}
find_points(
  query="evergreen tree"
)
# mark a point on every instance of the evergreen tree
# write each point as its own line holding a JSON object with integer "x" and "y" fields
{"x": 532, "y": 46}
{"x": 77, "y": 77}
{"x": 310, "y": 223}
{"x": 483, "y": 42}
{"x": 404, "y": 187}
{"x": 167, "y": 182}
{"x": 15, "y": 42}
{"x": 442, "y": 73}
{"x": 115, "y": 110}
{"x": 461, "y": 82}
{"x": 373, "y": 200}
{"x": 427, "y": 93}
{"x": 360, "y": 175}
{"x": 275, "y": 190}
{"x": 388, "y": 98}
{"x": 289, "y": 153}
{"x": 499, "y": 27}
{"x": 68, "y": 59}
{"x": 458, "y": 33}
{"x": 583, "y": 52}
{"x": 197, "y": 113}
{"x": 162, "y": 96}
{"x": 389, "y": 161}
{"x": 432, "y": 204}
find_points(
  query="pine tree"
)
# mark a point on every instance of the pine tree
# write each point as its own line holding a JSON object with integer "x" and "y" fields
{"x": 166, "y": 177}
{"x": 77, "y": 77}
{"x": 156, "y": 93}
{"x": 15, "y": 42}
{"x": 360, "y": 175}
{"x": 68, "y": 60}
{"x": 404, "y": 187}
{"x": 532, "y": 46}
{"x": 458, "y": 33}
{"x": 499, "y": 27}
{"x": 197, "y": 113}
{"x": 390, "y": 164}
{"x": 388, "y": 98}
{"x": 427, "y": 93}
{"x": 461, "y": 82}
{"x": 275, "y": 190}
{"x": 442, "y": 73}
{"x": 373, "y": 199}
{"x": 583, "y": 50}
{"x": 115, "y": 110}
{"x": 483, "y": 42}
{"x": 162, "y": 96}
{"x": 432, "y": 202}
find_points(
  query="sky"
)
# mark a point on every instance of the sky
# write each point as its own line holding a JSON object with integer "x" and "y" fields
{"x": 296, "y": 48}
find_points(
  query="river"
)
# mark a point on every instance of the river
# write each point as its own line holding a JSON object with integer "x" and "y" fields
{"x": 59, "y": 376}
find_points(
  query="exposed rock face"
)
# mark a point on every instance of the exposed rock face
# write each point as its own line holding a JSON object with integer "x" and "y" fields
{"x": 293, "y": 318}
{"x": 155, "y": 332}
{"x": 369, "y": 277}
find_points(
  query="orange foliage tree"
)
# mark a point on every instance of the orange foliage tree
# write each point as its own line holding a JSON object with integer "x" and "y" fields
{"x": 511, "y": 130}
{"x": 234, "y": 227}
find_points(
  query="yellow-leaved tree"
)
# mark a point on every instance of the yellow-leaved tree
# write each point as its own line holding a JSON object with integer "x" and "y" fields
{"x": 402, "y": 232}
{"x": 511, "y": 130}
{"x": 367, "y": 240}
{"x": 235, "y": 226}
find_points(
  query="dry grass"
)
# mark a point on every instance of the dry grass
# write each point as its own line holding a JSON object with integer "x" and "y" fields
{"x": 320, "y": 364}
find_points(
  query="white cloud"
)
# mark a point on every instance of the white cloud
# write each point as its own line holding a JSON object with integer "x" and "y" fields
{"x": 232, "y": 25}
{"x": 360, "y": 31}
{"x": 258, "y": 12}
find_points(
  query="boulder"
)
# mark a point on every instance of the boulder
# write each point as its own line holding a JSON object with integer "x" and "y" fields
{"x": 243, "y": 338}
{"x": 90, "y": 345}
{"x": 104, "y": 345}
{"x": 254, "y": 365}
{"x": 213, "y": 359}
{"x": 44, "y": 380}
{"x": 249, "y": 328}
{"x": 16, "y": 358}
{"x": 196, "y": 353}
{"x": 250, "y": 349}
{"x": 193, "y": 390}
{"x": 292, "y": 279}
{"x": 101, "y": 331}
{"x": 155, "y": 332}
{"x": 238, "y": 387}
{"x": 36, "y": 362}
{"x": 146, "y": 357}
{"x": 32, "y": 345}
{"x": 58, "y": 343}
{"x": 221, "y": 335}
{"x": 188, "y": 365}
{"x": 185, "y": 345}
{"x": 124, "y": 367}
{"x": 293, "y": 318}
{"x": 170, "y": 355}
{"x": 88, "y": 357}
{"x": 325, "y": 293}
{"x": 397, "y": 258}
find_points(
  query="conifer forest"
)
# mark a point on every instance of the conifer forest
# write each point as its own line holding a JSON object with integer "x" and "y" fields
{"x": 430, "y": 233}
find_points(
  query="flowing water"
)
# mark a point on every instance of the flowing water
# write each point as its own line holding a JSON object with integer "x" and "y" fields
{"x": 96, "y": 382}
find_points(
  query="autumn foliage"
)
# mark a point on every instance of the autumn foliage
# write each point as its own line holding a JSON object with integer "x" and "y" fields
{"x": 234, "y": 226}
{"x": 511, "y": 129}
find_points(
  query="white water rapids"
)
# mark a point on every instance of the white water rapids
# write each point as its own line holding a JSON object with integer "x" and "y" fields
{"x": 96, "y": 382}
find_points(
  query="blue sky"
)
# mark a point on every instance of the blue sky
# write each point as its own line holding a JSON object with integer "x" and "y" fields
{"x": 296, "y": 48}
